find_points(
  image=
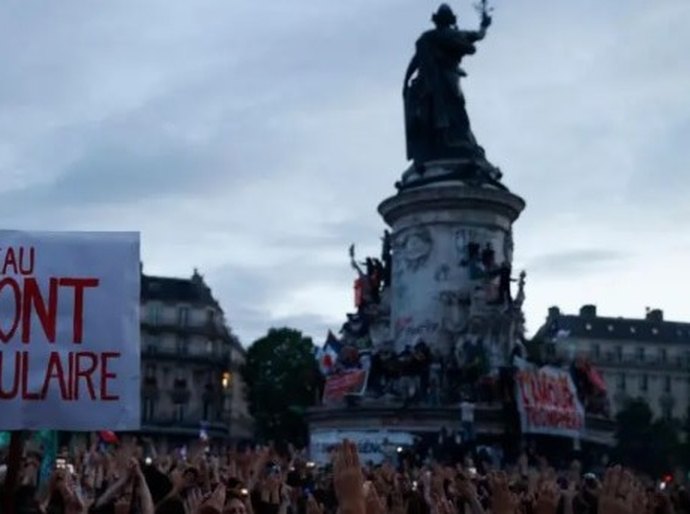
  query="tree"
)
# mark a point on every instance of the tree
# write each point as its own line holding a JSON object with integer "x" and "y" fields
{"x": 644, "y": 444}
{"x": 282, "y": 380}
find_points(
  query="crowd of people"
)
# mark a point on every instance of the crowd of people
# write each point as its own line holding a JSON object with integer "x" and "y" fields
{"x": 133, "y": 477}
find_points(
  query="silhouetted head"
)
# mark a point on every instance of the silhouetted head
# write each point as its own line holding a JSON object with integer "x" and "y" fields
{"x": 444, "y": 17}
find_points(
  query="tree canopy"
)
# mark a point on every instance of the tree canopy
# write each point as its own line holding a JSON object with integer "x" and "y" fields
{"x": 282, "y": 379}
{"x": 645, "y": 444}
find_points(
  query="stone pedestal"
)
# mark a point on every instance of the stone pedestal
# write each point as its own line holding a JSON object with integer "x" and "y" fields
{"x": 435, "y": 294}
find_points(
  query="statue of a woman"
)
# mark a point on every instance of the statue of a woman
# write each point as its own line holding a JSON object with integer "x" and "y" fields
{"x": 437, "y": 124}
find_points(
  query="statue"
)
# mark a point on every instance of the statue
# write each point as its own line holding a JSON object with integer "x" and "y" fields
{"x": 437, "y": 124}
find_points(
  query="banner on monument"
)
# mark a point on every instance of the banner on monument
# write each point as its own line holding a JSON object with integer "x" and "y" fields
{"x": 342, "y": 384}
{"x": 69, "y": 330}
{"x": 373, "y": 446}
{"x": 547, "y": 401}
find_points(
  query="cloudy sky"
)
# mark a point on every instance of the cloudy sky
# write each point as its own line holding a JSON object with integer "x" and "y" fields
{"x": 254, "y": 140}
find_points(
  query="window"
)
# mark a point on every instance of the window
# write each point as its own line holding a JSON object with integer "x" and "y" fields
{"x": 209, "y": 347}
{"x": 667, "y": 411}
{"x": 151, "y": 344}
{"x": 148, "y": 409}
{"x": 154, "y": 314}
{"x": 183, "y": 316}
{"x": 644, "y": 383}
{"x": 596, "y": 350}
{"x": 619, "y": 353}
{"x": 211, "y": 317}
{"x": 667, "y": 384}
{"x": 662, "y": 355}
{"x": 610, "y": 328}
{"x": 655, "y": 331}
{"x": 640, "y": 354}
{"x": 621, "y": 382}
{"x": 182, "y": 345}
{"x": 588, "y": 326}
{"x": 632, "y": 330}
{"x": 180, "y": 412}
{"x": 150, "y": 371}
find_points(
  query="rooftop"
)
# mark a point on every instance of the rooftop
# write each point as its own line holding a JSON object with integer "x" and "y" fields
{"x": 178, "y": 290}
{"x": 588, "y": 325}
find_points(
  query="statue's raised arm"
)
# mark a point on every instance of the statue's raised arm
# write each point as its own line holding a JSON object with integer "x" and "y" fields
{"x": 484, "y": 13}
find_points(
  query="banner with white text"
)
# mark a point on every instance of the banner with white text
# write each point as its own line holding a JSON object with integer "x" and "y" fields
{"x": 547, "y": 401}
{"x": 339, "y": 385}
{"x": 69, "y": 330}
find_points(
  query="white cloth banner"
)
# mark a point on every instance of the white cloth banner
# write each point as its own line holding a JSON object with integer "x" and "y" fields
{"x": 373, "y": 445}
{"x": 69, "y": 331}
{"x": 547, "y": 401}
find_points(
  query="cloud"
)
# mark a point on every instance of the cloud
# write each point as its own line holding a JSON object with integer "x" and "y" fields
{"x": 576, "y": 262}
{"x": 255, "y": 140}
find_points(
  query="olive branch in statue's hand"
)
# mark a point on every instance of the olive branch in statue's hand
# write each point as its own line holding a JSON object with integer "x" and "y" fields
{"x": 484, "y": 11}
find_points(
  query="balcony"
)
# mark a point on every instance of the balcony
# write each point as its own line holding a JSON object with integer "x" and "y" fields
{"x": 630, "y": 362}
{"x": 209, "y": 330}
{"x": 220, "y": 359}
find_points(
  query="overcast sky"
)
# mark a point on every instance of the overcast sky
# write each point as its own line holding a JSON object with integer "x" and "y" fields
{"x": 254, "y": 140}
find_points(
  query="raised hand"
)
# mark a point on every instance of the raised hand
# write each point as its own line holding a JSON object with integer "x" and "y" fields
{"x": 549, "y": 496}
{"x": 193, "y": 501}
{"x": 374, "y": 504}
{"x": 616, "y": 495}
{"x": 217, "y": 498}
{"x": 503, "y": 501}
{"x": 348, "y": 480}
{"x": 312, "y": 506}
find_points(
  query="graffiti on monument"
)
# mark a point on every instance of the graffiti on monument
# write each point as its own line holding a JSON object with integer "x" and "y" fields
{"x": 414, "y": 248}
{"x": 442, "y": 273}
{"x": 455, "y": 310}
{"x": 425, "y": 328}
{"x": 401, "y": 324}
{"x": 406, "y": 327}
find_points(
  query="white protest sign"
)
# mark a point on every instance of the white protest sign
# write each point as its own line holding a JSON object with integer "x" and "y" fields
{"x": 69, "y": 331}
{"x": 547, "y": 401}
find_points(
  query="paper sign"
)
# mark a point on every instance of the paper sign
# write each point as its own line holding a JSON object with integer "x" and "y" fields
{"x": 69, "y": 331}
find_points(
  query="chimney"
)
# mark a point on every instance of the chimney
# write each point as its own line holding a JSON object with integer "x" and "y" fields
{"x": 554, "y": 312}
{"x": 588, "y": 311}
{"x": 655, "y": 315}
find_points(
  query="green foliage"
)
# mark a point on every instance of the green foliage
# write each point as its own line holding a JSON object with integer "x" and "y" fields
{"x": 644, "y": 444}
{"x": 282, "y": 379}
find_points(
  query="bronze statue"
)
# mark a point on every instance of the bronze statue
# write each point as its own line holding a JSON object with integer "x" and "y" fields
{"x": 437, "y": 124}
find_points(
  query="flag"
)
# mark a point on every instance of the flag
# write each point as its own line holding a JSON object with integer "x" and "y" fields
{"x": 327, "y": 355}
{"x": 595, "y": 378}
{"x": 108, "y": 436}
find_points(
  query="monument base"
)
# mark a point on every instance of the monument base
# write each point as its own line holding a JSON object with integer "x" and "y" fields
{"x": 375, "y": 426}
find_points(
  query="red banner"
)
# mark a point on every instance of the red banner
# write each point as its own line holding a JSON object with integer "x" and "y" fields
{"x": 342, "y": 384}
{"x": 547, "y": 402}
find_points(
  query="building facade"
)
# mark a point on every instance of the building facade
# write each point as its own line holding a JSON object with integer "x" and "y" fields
{"x": 190, "y": 363}
{"x": 646, "y": 358}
